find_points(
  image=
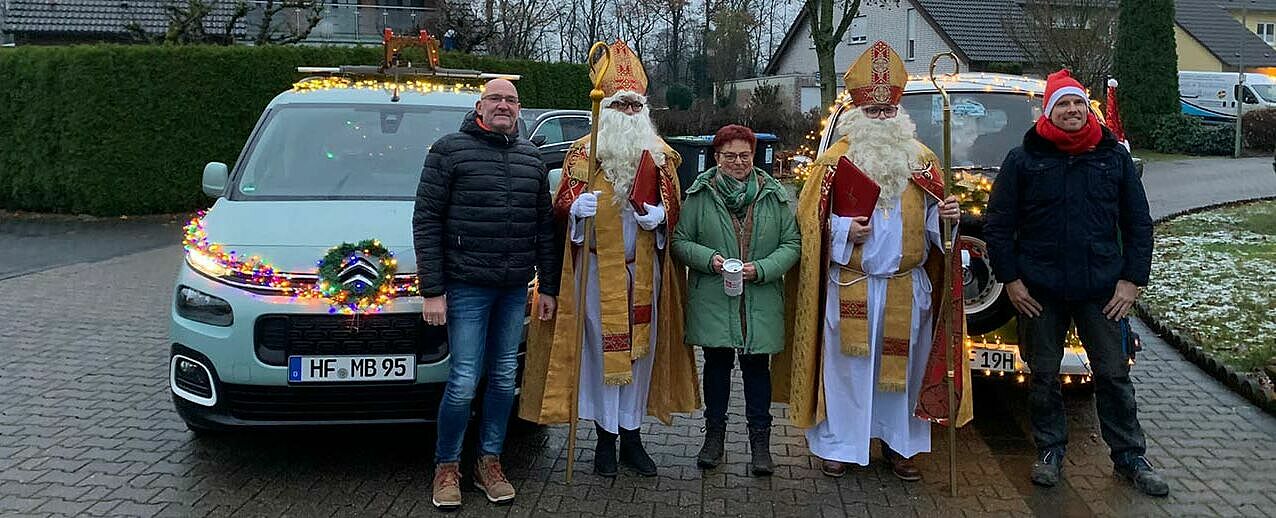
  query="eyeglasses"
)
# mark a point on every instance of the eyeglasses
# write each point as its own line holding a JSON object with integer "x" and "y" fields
{"x": 877, "y": 111}
{"x": 509, "y": 99}
{"x": 631, "y": 105}
{"x": 734, "y": 157}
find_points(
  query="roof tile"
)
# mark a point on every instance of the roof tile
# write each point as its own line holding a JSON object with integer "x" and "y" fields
{"x": 1209, "y": 22}
{"x": 975, "y": 26}
{"x": 102, "y": 16}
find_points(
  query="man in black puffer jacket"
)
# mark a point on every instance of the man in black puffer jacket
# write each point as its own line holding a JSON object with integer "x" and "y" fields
{"x": 1069, "y": 234}
{"x": 483, "y": 229}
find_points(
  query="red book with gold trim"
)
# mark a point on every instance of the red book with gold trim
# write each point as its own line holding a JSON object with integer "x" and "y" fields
{"x": 646, "y": 188}
{"x": 853, "y": 193}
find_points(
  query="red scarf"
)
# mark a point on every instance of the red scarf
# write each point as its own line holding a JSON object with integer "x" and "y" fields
{"x": 1071, "y": 142}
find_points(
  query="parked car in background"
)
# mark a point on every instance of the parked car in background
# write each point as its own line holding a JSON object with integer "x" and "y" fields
{"x": 553, "y": 131}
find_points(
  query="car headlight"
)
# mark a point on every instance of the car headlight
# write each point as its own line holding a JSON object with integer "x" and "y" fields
{"x": 202, "y": 307}
{"x": 206, "y": 264}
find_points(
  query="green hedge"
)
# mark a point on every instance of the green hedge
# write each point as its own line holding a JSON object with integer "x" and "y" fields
{"x": 115, "y": 129}
{"x": 1184, "y": 134}
{"x": 1259, "y": 129}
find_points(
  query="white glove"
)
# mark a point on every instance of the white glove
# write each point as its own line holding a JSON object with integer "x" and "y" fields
{"x": 586, "y": 205}
{"x": 655, "y": 216}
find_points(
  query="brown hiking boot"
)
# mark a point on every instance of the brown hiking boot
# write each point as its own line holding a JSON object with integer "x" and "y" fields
{"x": 904, "y": 468}
{"x": 447, "y": 486}
{"x": 489, "y": 477}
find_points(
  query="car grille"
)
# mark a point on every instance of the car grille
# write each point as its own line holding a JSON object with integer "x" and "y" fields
{"x": 332, "y": 403}
{"x": 278, "y": 336}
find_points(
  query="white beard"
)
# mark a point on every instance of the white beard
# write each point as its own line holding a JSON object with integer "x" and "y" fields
{"x": 621, "y": 140}
{"x": 883, "y": 149}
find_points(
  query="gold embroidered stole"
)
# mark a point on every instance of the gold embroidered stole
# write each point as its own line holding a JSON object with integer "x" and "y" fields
{"x": 897, "y": 322}
{"x": 626, "y": 301}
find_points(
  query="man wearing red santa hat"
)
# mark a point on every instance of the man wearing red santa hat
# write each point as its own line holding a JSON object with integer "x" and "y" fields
{"x": 1069, "y": 234}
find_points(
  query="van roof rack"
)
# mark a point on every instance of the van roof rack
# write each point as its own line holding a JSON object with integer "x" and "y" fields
{"x": 394, "y": 64}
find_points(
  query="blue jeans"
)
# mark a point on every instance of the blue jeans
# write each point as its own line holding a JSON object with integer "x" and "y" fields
{"x": 484, "y": 325}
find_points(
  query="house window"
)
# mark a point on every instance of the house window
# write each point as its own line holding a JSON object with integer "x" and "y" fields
{"x": 859, "y": 32}
{"x": 1267, "y": 31}
{"x": 911, "y": 49}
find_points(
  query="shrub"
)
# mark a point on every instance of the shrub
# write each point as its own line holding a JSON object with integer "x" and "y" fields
{"x": 767, "y": 112}
{"x": 113, "y": 129}
{"x": 770, "y": 112}
{"x": 1178, "y": 133}
{"x": 1259, "y": 128}
{"x": 679, "y": 97}
{"x": 704, "y": 117}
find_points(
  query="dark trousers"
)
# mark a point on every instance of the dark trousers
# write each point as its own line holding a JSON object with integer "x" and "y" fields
{"x": 1107, "y": 346}
{"x": 756, "y": 370}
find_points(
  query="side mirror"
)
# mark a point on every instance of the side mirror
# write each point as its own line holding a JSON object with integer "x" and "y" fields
{"x": 216, "y": 175}
{"x": 539, "y": 140}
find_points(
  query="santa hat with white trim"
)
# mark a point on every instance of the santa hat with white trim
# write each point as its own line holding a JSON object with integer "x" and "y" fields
{"x": 1060, "y": 84}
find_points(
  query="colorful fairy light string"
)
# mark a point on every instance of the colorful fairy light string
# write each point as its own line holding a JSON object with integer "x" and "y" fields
{"x": 215, "y": 260}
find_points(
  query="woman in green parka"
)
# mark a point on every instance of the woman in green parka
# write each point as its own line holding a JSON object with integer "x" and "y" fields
{"x": 736, "y": 211}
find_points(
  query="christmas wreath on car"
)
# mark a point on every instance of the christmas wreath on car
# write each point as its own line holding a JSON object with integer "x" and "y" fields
{"x": 357, "y": 277}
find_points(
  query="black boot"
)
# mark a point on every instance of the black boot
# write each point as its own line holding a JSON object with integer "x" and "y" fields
{"x": 711, "y": 453}
{"x": 633, "y": 455}
{"x": 605, "y": 453}
{"x": 760, "y": 448}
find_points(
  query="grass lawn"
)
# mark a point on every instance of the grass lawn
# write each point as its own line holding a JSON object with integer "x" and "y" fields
{"x": 1214, "y": 279}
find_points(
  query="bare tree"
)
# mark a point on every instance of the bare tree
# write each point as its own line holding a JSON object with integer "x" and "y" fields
{"x": 283, "y": 31}
{"x": 187, "y": 23}
{"x": 565, "y": 28}
{"x": 674, "y": 14}
{"x": 637, "y": 20}
{"x": 522, "y": 27}
{"x": 771, "y": 28}
{"x": 239, "y": 13}
{"x": 594, "y": 24}
{"x": 826, "y": 31}
{"x": 1076, "y": 34}
{"x": 471, "y": 30}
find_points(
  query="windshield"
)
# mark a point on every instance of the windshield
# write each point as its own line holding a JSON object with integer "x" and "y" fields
{"x": 1266, "y": 91}
{"x": 986, "y": 126}
{"x": 344, "y": 151}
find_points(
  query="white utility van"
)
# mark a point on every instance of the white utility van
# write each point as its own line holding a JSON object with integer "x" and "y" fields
{"x": 1212, "y": 95}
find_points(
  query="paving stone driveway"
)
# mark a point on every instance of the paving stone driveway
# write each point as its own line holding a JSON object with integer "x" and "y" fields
{"x": 87, "y": 428}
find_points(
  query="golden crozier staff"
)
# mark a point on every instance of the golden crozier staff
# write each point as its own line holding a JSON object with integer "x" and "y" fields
{"x": 582, "y": 272}
{"x": 946, "y": 316}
